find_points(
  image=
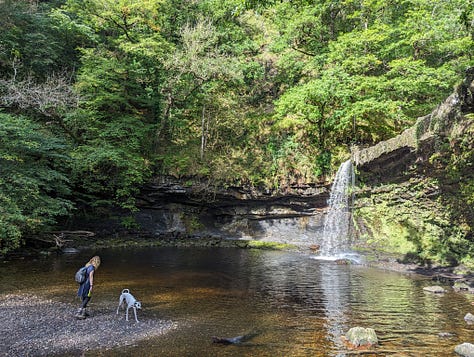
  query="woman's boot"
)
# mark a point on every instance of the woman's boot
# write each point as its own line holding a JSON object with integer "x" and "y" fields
{"x": 81, "y": 314}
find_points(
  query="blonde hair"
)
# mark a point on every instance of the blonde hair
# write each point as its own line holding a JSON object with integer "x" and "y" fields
{"x": 95, "y": 261}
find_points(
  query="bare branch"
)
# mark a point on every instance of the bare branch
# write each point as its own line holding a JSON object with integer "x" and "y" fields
{"x": 52, "y": 98}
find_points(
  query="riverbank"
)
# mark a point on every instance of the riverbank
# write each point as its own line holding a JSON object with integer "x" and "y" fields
{"x": 36, "y": 326}
{"x": 74, "y": 244}
{"x": 396, "y": 263}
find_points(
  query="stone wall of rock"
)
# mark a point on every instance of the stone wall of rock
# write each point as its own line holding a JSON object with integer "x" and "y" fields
{"x": 167, "y": 207}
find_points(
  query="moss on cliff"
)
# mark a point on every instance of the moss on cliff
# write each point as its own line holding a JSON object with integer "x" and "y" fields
{"x": 412, "y": 220}
{"x": 418, "y": 199}
{"x": 426, "y": 211}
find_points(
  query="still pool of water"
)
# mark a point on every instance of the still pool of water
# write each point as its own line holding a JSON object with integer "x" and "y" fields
{"x": 290, "y": 304}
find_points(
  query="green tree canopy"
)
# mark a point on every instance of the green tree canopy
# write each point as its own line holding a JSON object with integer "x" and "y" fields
{"x": 34, "y": 187}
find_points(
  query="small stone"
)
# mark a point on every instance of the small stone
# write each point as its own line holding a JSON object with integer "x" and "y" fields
{"x": 445, "y": 334}
{"x": 465, "y": 349}
{"x": 461, "y": 270}
{"x": 314, "y": 247}
{"x": 435, "y": 289}
{"x": 469, "y": 318}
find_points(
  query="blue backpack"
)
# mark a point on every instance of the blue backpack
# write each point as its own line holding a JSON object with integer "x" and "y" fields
{"x": 81, "y": 275}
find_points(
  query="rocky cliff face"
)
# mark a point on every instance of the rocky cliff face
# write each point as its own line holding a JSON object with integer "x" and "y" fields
{"x": 170, "y": 208}
{"x": 416, "y": 191}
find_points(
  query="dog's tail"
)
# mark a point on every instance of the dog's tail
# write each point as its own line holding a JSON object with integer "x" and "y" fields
{"x": 125, "y": 291}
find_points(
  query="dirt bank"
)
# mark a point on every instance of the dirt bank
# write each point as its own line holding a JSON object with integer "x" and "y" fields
{"x": 34, "y": 326}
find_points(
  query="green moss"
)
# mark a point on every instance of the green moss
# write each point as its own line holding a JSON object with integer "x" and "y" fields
{"x": 191, "y": 222}
{"x": 129, "y": 222}
{"x": 467, "y": 266}
{"x": 405, "y": 219}
{"x": 269, "y": 245}
{"x": 387, "y": 234}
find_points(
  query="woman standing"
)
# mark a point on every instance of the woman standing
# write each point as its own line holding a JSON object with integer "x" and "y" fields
{"x": 85, "y": 289}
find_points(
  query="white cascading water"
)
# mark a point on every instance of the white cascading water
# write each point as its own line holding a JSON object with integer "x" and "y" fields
{"x": 336, "y": 234}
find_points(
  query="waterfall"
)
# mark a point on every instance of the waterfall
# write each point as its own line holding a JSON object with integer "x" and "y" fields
{"x": 336, "y": 235}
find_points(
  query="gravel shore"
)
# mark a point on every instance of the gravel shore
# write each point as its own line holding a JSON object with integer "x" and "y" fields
{"x": 34, "y": 326}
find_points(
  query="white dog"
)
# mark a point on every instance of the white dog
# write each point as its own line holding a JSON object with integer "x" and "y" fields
{"x": 130, "y": 301}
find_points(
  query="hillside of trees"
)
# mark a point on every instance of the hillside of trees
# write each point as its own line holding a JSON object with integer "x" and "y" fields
{"x": 98, "y": 96}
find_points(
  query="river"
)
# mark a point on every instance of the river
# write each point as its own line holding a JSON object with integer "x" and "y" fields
{"x": 286, "y": 303}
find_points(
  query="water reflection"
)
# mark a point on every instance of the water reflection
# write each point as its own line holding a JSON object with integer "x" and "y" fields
{"x": 294, "y": 305}
{"x": 337, "y": 292}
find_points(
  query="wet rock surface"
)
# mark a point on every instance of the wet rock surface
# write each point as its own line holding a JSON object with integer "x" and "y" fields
{"x": 36, "y": 326}
{"x": 360, "y": 337}
{"x": 435, "y": 289}
{"x": 465, "y": 350}
{"x": 469, "y": 318}
{"x": 171, "y": 208}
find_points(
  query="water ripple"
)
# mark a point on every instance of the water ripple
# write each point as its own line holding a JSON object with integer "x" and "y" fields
{"x": 295, "y": 305}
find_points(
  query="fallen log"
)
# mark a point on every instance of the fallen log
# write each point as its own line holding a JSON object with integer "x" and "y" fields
{"x": 58, "y": 238}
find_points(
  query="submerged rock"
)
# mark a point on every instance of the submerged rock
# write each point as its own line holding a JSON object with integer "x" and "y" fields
{"x": 360, "y": 337}
{"x": 465, "y": 349}
{"x": 315, "y": 247}
{"x": 70, "y": 250}
{"x": 227, "y": 340}
{"x": 233, "y": 340}
{"x": 342, "y": 261}
{"x": 435, "y": 289}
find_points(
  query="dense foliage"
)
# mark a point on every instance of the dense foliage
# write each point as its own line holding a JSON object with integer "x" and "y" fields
{"x": 97, "y": 96}
{"x": 33, "y": 184}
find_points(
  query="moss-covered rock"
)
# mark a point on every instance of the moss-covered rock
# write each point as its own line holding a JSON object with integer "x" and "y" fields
{"x": 269, "y": 245}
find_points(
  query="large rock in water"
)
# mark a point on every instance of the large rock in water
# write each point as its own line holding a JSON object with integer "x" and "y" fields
{"x": 358, "y": 337}
{"x": 465, "y": 349}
